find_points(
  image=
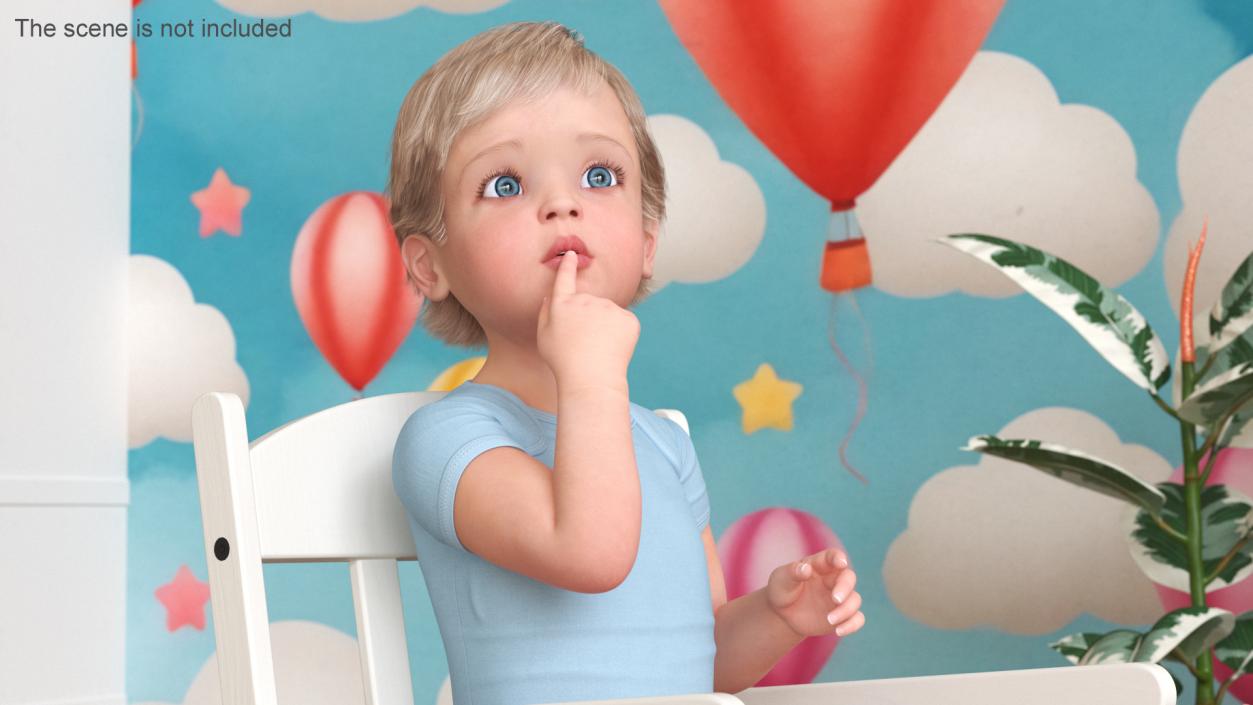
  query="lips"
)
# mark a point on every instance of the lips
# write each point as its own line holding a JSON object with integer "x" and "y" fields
{"x": 555, "y": 262}
{"x": 568, "y": 242}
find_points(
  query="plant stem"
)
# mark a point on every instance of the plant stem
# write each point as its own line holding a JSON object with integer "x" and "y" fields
{"x": 1223, "y": 690}
{"x": 1196, "y": 569}
{"x": 1169, "y": 530}
{"x": 1180, "y": 658}
{"x": 1209, "y": 463}
{"x": 1166, "y": 407}
{"x": 1218, "y": 569}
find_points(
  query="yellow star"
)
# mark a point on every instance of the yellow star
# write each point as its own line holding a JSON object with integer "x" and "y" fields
{"x": 452, "y": 377}
{"x": 766, "y": 400}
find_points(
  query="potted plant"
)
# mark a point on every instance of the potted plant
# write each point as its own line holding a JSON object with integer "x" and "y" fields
{"x": 1203, "y": 531}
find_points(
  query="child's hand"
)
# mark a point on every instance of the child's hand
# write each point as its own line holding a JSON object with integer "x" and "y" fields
{"x": 584, "y": 338}
{"x": 802, "y": 594}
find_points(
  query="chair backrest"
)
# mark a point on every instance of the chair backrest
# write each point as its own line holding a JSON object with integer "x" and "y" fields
{"x": 317, "y": 489}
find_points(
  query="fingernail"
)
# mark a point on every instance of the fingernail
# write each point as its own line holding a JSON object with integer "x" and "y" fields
{"x": 838, "y": 597}
{"x": 831, "y": 620}
{"x": 839, "y": 631}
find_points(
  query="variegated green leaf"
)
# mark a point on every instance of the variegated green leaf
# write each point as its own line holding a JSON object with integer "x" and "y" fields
{"x": 1233, "y": 312}
{"x": 1118, "y": 646}
{"x": 1213, "y": 400}
{"x": 1236, "y": 651}
{"x": 1075, "y": 467}
{"x": 1191, "y": 630}
{"x": 1074, "y": 646}
{"x": 1106, "y": 320}
{"x": 1226, "y": 519}
{"x": 1236, "y": 353}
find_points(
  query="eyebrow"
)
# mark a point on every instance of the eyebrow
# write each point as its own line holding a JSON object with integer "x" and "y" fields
{"x": 517, "y": 144}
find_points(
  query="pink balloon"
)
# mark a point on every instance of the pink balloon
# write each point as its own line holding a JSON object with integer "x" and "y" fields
{"x": 751, "y": 548}
{"x": 1233, "y": 468}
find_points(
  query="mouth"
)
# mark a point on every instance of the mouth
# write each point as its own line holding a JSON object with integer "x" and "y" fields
{"x": 567, "y": 242}
{"x": 555, "y": 261}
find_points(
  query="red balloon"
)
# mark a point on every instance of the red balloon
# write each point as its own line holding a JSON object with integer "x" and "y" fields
{"x": 349, "y": 283}
{"x": 834, "y": 89}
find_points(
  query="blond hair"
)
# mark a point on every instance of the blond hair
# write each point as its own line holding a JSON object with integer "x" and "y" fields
{"x": 521, "y": 60}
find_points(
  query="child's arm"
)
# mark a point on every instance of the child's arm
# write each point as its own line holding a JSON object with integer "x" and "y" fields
{"x": 596, "y": 486}
{"x": 754, "y": 631}
{"x": 577, "y": 526}
{"x": 750, "y": 640}
{"x": 588, "y": 341}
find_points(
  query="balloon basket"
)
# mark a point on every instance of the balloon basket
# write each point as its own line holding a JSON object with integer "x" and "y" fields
{"x": 845, "y": 265}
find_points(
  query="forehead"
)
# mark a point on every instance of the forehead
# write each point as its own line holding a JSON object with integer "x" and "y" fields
{"x": 564, "y": 115}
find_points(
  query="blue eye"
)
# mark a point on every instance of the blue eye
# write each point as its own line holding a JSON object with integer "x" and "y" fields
{"x": 500, "y": 186}
{"x": 507, "y": 182}
{"x": 599, "y": 176}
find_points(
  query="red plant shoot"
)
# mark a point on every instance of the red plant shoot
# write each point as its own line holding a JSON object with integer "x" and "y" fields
{"x": 1187, "y": 350}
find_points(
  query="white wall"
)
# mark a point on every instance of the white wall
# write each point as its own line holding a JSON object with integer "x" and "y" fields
{"x": 64, "y": 240}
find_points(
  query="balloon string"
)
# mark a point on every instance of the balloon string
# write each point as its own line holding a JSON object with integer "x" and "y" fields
{"x": 861, "y": 386}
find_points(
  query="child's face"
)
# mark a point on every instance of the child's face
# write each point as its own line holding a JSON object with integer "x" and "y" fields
{"x": 559, "y": 183}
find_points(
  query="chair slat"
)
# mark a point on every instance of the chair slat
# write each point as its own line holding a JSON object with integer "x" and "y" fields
{"x": 381, "y": 632}
{"x": 241, "y": 622}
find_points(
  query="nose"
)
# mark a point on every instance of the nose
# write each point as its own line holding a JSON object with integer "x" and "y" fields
{"x": 560, "y": 202}
{"x": 560, "y": 207}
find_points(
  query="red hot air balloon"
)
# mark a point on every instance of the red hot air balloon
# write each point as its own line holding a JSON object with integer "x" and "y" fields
{"x": 834, "y": 89}
{"x": 349, "y": 284}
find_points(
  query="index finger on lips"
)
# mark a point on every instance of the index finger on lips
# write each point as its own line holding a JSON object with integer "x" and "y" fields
{"x": 563, "y": 285}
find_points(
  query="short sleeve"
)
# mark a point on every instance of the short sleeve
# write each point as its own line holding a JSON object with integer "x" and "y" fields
{"x": 690, "y": 477}
{"x": 434, "y": 447}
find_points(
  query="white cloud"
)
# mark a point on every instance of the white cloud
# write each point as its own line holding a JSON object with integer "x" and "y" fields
{"x": 355, "y": 10}
{"x": 1215, "y": 180}
{"x": 1004, "y": 545}
{"x": 1002, "y": 156}
{"x": 178, "y": 350}
{"x": 715, "y": 212}
{"x": 313, "y": 665}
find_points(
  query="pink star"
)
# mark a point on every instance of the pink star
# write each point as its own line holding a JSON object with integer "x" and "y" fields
{"x": 184, "y": 600}
{"x": 220, "y": 205}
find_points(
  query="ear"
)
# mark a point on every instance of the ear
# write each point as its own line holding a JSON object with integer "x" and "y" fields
{"x": 418, "y": 252}
{"x": 651, "y": 231}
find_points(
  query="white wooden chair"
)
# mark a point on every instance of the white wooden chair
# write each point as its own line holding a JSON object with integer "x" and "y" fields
{"x": 319, "y": 489}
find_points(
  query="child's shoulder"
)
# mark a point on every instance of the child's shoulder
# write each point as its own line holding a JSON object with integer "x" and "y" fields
{"x": 473, "y": 410}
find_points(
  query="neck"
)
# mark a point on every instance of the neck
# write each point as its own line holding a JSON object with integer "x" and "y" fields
{"x": 518, "y": 368}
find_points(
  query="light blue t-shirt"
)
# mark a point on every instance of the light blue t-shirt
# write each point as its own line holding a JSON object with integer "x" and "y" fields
{"x": 513, "y": 640}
